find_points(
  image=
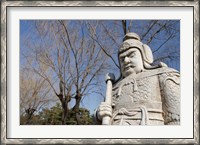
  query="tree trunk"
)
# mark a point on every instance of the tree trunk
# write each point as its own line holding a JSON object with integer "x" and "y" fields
{"x": 64, "y": 112}
{"x": 76, "y": 107}
{"x": 29, "y": 114}
{"x": 78, "y": 100}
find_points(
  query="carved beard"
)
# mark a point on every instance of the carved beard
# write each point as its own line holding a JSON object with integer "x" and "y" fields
{"x": 131, "y": 70}
{"x": 128, "y": 71}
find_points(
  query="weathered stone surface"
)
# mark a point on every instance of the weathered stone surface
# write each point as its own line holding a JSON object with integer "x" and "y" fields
{"x": 145, "y": 94}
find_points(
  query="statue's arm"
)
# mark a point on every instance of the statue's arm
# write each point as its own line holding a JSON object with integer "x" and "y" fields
{"x": 170, "y": 91}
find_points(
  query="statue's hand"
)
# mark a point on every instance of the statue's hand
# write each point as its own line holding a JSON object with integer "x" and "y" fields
{"x": 104, "y": 110}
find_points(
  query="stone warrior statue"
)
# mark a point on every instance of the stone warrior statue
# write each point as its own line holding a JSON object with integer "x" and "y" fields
{"x": 144, "y": 94}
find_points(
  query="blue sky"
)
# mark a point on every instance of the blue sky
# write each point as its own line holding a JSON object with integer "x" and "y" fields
{"x": 139, "y": 26}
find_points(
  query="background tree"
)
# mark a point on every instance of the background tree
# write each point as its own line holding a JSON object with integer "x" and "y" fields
{"x": 34, "y": 95}
{"x": 62, "y": 54}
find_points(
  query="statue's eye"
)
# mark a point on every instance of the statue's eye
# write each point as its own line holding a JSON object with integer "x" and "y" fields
{"x": 132, "y": 54}
{"x": 122, "y": 59}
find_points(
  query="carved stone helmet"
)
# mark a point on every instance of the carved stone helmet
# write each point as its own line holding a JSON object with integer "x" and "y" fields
{"x": 132, "y": 40}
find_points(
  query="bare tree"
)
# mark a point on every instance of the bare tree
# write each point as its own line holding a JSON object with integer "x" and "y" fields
{"x": 67, "y": 59}
{"x": 34, "y": 94}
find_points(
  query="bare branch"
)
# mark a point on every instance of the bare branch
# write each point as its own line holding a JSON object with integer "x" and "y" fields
{"x": 149, "y": 29}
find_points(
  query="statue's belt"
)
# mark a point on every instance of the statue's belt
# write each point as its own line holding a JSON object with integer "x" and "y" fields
{"x": 140, "y": 112}
{"x": 152, "y": 115}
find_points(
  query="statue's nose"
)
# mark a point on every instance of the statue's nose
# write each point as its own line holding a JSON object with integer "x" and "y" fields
{"x": 126, "y": 60}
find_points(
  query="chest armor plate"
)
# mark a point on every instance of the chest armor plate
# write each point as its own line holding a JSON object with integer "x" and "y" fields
{"x": 131, "y": 93}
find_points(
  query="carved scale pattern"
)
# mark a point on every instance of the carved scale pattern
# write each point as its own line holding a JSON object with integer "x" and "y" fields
{"x": 144, "y": 90}
{"x": 171, "y": 98}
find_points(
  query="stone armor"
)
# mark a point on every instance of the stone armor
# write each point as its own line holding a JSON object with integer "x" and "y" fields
{"x": 148, "y": 98}
{"x": 144, "y": 94}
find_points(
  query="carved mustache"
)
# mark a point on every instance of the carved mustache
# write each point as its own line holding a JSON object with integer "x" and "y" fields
{"x": 129, "y": 66}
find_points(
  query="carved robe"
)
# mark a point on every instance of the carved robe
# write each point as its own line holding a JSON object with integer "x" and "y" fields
{"x": 151, "y": 97}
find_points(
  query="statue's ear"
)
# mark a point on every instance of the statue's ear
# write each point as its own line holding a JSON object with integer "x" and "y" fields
{"x": 148, "y": 54}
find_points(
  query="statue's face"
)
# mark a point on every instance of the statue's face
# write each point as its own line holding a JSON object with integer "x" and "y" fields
{"x": 131, "y": 62}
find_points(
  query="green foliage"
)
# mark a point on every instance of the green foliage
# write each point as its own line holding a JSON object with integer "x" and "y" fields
{"x": 81, "y": 118}
{"x": 53, "y": 116}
